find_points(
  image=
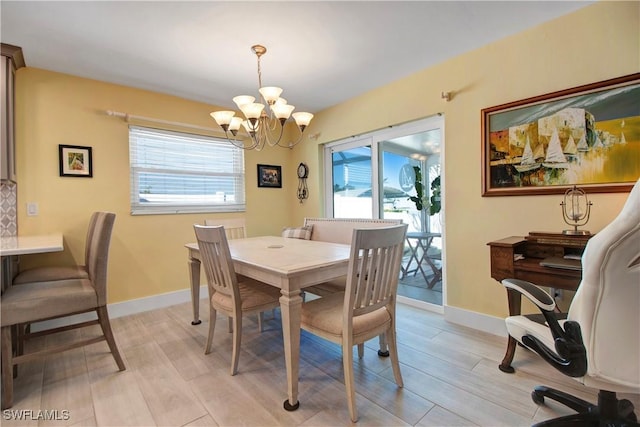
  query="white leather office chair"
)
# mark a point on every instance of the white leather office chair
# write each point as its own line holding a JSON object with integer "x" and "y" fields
{"x": 599, "y": 343}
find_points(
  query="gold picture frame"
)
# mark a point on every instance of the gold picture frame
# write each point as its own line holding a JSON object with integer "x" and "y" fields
{"x": 587, "y": 136}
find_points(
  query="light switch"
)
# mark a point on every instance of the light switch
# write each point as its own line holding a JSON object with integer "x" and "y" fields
{"x": 32, "y": 209}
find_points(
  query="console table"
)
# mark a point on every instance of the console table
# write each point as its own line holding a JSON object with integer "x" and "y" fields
{"x": 519, "y": 257}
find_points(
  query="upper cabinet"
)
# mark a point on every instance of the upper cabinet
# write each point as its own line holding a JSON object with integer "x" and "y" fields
{"x": 12, "y": 59}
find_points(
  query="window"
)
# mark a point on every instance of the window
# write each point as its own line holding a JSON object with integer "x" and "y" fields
{"x": 174, "y": 172}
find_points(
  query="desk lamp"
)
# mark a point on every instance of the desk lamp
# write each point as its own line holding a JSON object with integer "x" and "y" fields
{"x": 576, "y": 209}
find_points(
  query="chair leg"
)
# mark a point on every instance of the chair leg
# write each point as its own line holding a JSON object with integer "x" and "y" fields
{"x": 212, "y": 326}
{"x": 360, "y": 351}
{"x": 349, "y": 383}
{"x": 15, "y": 344}
{"x": 393, "y": 352}
{"x": 230, "y": 328}
{"x": 383, "y": 347}
{"x": 237, "y": 338}
{"x": 103, "y": 318}
{"x": 7, "y": 367}
{"x": 260, "y": 320}
{"x": 579, "y": 405}
{"x": 20, "y": 333}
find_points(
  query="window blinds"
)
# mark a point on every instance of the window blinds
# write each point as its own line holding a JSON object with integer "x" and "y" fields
{"x": 173, "y": 172}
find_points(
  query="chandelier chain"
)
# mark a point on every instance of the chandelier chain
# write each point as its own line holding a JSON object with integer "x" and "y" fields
{"x": 259, "y": 73}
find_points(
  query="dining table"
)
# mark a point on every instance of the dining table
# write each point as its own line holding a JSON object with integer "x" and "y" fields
{"x": 288, "y": 264}
{"x": 419, "y": 252}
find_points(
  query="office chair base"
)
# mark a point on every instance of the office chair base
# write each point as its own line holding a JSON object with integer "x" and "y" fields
{"x": 609, "y": 411}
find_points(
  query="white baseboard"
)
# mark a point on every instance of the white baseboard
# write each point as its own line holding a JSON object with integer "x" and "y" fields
{"x": 472, "y": 319}
{"x": 420, "y": 304}
{"x": 483, "y": 322}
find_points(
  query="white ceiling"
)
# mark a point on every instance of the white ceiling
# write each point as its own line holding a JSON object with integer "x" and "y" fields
{"x": 322, "y": 53}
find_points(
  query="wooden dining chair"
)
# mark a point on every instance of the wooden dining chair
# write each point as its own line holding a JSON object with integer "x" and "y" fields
{"x": 231, "y": 295}
{"x": 340, "y": 230}
{"x": 53, "y": 273}
{"x": 62, "y": 272}
{"x": 234, "y": 228}
{"x": 52, "y": 299}
{"x": 367, "y": 308}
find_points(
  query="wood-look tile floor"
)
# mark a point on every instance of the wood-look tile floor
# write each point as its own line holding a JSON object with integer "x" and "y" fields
{"x": 450, "y": 374}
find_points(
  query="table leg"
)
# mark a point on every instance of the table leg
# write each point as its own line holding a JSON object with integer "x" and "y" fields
{"x": 515, "y": 307}
{"x": 437, "y": 273}
{"x": 421, "y": 245}
{"x": 290, "y": 307}
{"x": 194, "y": 276}
{"x": 413, "y": 255}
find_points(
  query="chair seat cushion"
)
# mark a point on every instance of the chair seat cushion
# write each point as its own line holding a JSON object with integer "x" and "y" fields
{"x": 49, "y": 274}
{"x": 35, "y": 301}
{"x": 253, "y": 294}
{"x": 324, "y": 316}
{"x": 519, "y": 326}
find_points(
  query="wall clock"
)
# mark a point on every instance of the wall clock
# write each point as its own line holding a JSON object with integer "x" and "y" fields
{"x": 303, "y": 173}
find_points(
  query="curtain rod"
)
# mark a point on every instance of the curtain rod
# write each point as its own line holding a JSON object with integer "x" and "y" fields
{"x": 127, "y": 117}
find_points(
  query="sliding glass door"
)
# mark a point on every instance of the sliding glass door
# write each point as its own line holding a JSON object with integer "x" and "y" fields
{"x": 352, "y": 179}
{"x": 374, "y": 176}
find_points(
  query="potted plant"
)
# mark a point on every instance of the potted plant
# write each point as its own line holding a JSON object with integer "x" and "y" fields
{"x": 421, "y": 201}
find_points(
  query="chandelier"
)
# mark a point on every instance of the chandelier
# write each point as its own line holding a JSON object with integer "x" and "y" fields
{"x": 261, "y": 127}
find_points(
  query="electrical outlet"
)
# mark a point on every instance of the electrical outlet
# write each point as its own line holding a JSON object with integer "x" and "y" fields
{"x": 32, "y": 209}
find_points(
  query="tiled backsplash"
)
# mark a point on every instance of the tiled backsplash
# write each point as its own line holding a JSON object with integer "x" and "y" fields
{"x": 8, "y": 209}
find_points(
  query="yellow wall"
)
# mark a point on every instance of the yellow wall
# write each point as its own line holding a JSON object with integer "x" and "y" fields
{"x": 596, "y": 43}
{"x": 147, "y": 252}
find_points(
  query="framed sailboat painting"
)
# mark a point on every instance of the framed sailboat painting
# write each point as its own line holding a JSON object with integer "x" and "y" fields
{"x": 587, "y": 136}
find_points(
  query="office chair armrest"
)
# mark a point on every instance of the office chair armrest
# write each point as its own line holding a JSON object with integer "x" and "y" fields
{"x": 571, "y": 356}
{"x": 536, "y": 295}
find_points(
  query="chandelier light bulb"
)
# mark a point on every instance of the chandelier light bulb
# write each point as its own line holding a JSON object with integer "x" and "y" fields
{"x": 302, "y": 119}
{"x": 252, "y": 111}
{"x": 282, "y": 111}
{"x": 270, "y": 94}
{"x": 235, "y": 124}
{"x": 223, "y": 118}
{"x": 243, "y": 100}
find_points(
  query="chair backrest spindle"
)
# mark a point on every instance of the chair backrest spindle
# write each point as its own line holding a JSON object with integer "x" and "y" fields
{"x": 372, "y": 280}
{"x": 217, "y": 263}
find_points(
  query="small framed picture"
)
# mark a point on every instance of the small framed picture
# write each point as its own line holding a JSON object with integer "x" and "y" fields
{"x": 75, "y": 161}
{"x": 269, "y": 176}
